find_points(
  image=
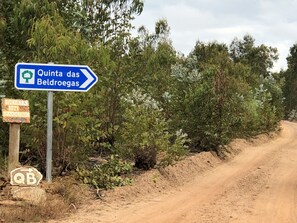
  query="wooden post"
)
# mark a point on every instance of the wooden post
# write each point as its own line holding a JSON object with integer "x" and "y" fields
{"x": 15, "y": 112}
{"x": 14, "y": 146}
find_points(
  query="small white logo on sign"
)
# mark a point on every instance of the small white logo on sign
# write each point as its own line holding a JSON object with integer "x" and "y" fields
{"x": 27, "y": 76}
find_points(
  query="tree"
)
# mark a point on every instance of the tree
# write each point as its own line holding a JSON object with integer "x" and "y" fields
{"x": 19, "y": 17}
{"x": 100, "y": 21}
{"x": 145, "y": 137}
{"x": 16, "y": 20}
{"x": 216, "y": 98}
{"x": 206, "y": 52}
{"x": 151, "y": 58}
{"x": 207, "y": 103}
{"x": 290, "y": 86}
{"x": 35, "y": 31}
{"x": 259, "y": 58}
{"x": 106, "y": 24}
{"x": 214, "y": 94}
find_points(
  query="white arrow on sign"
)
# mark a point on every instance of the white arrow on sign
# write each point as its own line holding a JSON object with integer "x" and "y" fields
{"x": 25, "y": 176}
{"x": 89, "y": 78}
{"x": 26, "y": 170}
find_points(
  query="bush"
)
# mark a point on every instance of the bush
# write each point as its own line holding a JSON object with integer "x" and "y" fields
{"x": 292, "y": 115}
{"x": 203, "y": 102}
{"x": 106, "y": 175}
{"x": 144, "y": 135}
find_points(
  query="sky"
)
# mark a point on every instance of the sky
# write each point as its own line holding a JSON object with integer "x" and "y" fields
{"x": 269, "y": 22}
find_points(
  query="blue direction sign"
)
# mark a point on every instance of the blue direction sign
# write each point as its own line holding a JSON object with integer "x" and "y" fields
{"x": 54, "y": 77}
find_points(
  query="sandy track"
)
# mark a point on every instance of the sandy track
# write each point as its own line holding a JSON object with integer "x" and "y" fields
{"x": 258, "y": 185}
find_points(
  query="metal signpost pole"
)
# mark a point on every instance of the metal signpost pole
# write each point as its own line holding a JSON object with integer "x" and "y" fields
{"x": 49, "y": 149}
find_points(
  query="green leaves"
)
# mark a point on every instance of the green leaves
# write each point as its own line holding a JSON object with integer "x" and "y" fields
{"x": 52, "y": 41}
{"x": 144, "y": 136}
{"x": 215, "y": 99}
{"x": 149, "y": 104}
{"x": 259, "y": 58}
{"x": 106, "y": 175}
{"x": 101, "y": 21}
{"x": 290, "y": 82}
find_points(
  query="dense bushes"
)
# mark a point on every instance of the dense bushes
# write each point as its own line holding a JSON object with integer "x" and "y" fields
{"x": 106, "y": 175}
{"x": 144, "y": 134}
{"x": 214, "y": 100}
{"x": 150, "y": 103}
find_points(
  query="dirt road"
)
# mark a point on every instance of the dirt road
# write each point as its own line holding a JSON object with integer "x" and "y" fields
{"x": 258, "y": 185}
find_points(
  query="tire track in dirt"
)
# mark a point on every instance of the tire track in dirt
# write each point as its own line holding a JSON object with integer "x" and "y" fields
{"x": 279, "y": 202}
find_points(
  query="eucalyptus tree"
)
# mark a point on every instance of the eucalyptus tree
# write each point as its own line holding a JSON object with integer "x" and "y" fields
{"x": 151, "y": 58}
{"x": 223, "y": 93}
{"x": 106, "y": 24}
{"x": 206, "y": 52}
{"x": 207, "y": 97}
{"x": 100, "y": 21}
{"x": 290, "y": 86}
{"x": 18, "y": 17}
{"x": 260, "y": 58}
{"x": 16, "y": 20}
{"x": 48, "y": 31}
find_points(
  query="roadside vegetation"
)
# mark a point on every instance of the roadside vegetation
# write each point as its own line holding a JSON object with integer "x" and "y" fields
{"x": 151, "y": 105}
{"x": 64, "y": 196}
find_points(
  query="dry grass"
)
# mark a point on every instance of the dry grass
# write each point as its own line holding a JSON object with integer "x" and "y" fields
{"x": 63, "y": 195}
{"x": 55, "y": 207}
{"x": 72, "y": 191}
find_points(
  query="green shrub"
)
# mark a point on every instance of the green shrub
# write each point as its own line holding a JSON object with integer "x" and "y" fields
{"x": 144, "y": 135}
{"x": 175, "y": 151}
{"x": 217, "y": 102}
{"x": 106, "y": 175}
{"x": 292, "y": 115}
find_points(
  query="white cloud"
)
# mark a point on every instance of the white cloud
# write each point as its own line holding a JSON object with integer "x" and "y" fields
{"x": 270, "y": 22}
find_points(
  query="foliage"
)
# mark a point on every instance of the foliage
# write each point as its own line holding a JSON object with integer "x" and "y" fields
{"x": 290, "y": 84}
{"x": 151, "y": 57}
{"x": 150, "y": 102}
{"x": 4, "y": 128}
{"x": 62, "y": 195}
{"x": 70, "y": 128}
{"x": 3, "y": 163}
{"x": 100, "y": 21}
{"x": 216, "y": 99}
{"x": 259, "y": 58}
{"x": 106, "y": 175}
{"x": 269, "y": 98}
{"x": 206, "y": 53}
{"x": 292, "y": 116}
{"x": 202, "y": 107}
{"x": 19, "y": 16}
{"x": 145, "y": 133}
{"x": 177, "y": 150}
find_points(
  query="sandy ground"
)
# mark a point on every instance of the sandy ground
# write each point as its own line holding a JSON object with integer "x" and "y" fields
{"x": 258, "y": 185}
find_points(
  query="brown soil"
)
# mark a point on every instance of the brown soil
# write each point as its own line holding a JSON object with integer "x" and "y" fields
{"x": 258, "y": 185}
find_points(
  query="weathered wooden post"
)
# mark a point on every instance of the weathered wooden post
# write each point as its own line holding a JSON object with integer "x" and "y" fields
{"x": 14, "y": 146}
{"x": 15, "y": 112}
